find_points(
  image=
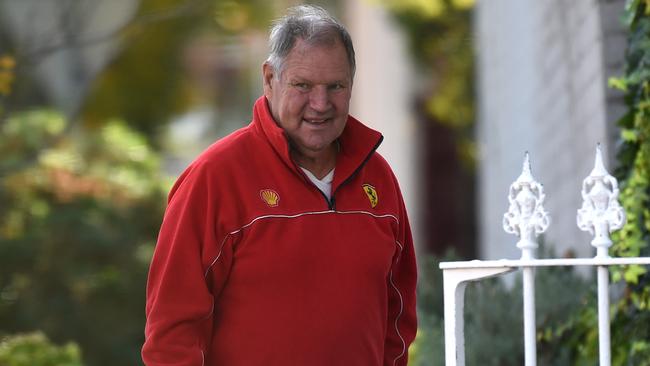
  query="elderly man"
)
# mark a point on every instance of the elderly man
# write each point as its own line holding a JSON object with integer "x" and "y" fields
{"x": 287, "y": 242}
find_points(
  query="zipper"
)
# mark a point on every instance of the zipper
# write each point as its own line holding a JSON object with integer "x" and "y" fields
{"x": 329, "y": 203}
{"x": 332, "y": 204}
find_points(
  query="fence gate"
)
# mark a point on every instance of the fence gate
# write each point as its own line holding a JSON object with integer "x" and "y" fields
{"x": 600, "y": 214}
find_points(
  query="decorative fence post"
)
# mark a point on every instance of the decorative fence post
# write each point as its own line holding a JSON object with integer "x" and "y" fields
{"x": 600, "y": 214}
{"x": 527, "y": 218}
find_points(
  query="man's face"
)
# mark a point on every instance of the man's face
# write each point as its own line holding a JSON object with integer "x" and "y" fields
{"x": 310, "y": 99}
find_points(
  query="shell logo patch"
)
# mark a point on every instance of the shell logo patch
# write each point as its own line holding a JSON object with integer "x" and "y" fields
{"x": 371, "y": 192}
{"x": 270, "y": 197}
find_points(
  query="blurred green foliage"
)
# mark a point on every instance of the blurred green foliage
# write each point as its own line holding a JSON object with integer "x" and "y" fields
{"x": 34, "y": 349}
{"x": 234, "y": 17}
{"x": 79, "y": 213}
{"x": 144, "y": 84}
{"x": 631, "y": 333}
{"x": 147, "y": 83}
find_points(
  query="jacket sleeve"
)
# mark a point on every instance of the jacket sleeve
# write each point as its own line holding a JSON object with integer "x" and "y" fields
{"x": 402, "y": 318}
{"x": 179, "y": 301}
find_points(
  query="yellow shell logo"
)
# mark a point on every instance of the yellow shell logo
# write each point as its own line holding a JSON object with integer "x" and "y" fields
{"x": 270, "y": 196}
{"x": 371, "y": 192}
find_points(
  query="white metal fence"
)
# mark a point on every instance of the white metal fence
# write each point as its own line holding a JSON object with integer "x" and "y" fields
{"x": 600, "y": 214}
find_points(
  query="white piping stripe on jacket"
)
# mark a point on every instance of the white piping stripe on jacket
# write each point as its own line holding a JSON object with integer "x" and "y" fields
{"x": 401, "y": 309}
{"x": 290, "y": 217}
{"x": 401, "y": 306}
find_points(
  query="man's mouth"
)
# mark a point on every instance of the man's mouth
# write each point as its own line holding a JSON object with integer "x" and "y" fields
{"x": 316, "y": 121}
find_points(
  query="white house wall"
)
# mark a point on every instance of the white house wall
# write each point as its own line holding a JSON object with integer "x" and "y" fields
{"x": 542, "y": 89}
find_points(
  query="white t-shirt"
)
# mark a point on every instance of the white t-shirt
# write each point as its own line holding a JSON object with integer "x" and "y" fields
{"x": 325, "y": 184}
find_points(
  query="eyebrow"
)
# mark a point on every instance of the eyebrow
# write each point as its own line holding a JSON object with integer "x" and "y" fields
{"x": 304, "y": 80}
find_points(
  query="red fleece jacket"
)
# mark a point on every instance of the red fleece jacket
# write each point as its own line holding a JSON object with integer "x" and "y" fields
{"x": 253, "y": 265}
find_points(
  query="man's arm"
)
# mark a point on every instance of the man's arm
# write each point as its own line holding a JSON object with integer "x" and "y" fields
{"x": 179, "y": 301}
{"x": 402, "y": 319}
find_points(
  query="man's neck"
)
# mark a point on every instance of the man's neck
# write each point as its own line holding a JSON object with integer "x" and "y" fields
{"x": 319, "y": 164}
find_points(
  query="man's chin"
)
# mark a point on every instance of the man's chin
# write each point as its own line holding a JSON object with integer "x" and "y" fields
{"x": 314, "y": 149}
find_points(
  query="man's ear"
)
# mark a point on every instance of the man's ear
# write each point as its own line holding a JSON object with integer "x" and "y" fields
{"x": 267, "y": 74}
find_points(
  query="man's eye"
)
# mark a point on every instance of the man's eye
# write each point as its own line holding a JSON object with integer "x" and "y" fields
{"x": 336, "y": 86}
{"x": 301, "y": 86}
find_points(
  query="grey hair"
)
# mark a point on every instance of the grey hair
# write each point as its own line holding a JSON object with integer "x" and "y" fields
{"x": 313, "y": 25}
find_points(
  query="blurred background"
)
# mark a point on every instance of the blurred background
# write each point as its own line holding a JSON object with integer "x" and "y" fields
{"x": 103, "y": 103}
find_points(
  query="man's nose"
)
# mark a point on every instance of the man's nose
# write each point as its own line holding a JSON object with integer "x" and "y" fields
{"x": 319, "y": 99}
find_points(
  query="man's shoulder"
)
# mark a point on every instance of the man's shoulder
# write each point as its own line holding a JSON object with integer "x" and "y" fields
{"x": 228, "y": 154}
{"x": 231, "y": 148}
{"x": 379, "y": 170}
{"x": 378, "y": 163}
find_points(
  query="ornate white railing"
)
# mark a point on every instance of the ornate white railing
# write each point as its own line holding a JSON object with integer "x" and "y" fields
{"x": 600, "y": 214}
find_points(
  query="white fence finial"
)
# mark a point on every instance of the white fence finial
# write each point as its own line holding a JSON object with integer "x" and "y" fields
{"x": 600, "y": 213}
{"x": 526, "y": 216}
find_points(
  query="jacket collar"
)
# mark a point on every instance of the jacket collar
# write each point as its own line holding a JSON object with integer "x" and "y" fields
{"x": 357, "y": 142}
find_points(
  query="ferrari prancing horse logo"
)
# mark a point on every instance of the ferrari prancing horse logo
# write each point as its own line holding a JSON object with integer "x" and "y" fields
{"x": 371, "y": 192}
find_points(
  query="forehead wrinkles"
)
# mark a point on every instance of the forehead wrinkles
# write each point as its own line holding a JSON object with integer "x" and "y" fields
{"x": 317, "y": 62}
